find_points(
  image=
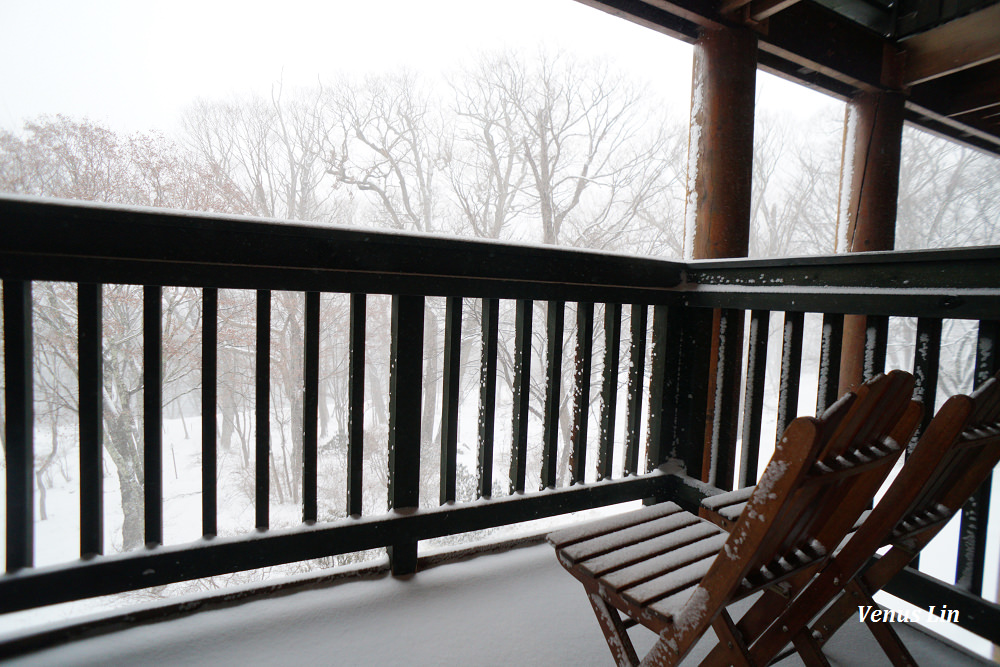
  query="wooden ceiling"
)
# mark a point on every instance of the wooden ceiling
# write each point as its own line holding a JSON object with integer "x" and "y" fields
{"x": 945, "y": 54}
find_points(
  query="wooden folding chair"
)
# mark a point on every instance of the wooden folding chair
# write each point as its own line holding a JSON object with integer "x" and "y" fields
{"x": 675, "y": 573}
{"x": 952, "y": 459}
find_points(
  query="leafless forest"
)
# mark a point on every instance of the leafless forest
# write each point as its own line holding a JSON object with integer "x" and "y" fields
{"x": 549, "y": 150}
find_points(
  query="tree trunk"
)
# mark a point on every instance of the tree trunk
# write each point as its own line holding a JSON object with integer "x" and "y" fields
{"x": 227, "y": 404}
{"x": 431, "y": 355}
{"x": 324, "y": 410}
{"x": 39, "y": 475}
{"x": 121, "y": 436}
{"x": 562, "y": 472}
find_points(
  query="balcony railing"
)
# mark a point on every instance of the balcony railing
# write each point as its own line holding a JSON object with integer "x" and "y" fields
{"x": 682, "y": 410}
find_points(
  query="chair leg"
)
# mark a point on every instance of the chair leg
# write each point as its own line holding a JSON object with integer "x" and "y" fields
{"x": 892, "y": 645}
{"x": 753, "y": 623}
{"x": 809, "y": 650}
{"x": 614, "y": 631}
{"x": 887, "y": 638}
{"x": 873, "y": 579}
{"x": 843, "y": 607}
{"x": 730, "y": 641}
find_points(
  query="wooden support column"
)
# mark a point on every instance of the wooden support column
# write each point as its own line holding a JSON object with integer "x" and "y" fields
{"x": 720, "y": 143}
{"x": 720, "y": 168}
{"x": 874, "y": 131}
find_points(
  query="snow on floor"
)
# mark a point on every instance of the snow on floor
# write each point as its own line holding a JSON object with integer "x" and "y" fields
{"x": 514, "y": 608}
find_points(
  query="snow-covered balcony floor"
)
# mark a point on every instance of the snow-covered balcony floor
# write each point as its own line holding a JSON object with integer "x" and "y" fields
{"x": 513, "y": 608}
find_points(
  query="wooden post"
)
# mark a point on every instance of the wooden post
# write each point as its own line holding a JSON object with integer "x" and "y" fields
{"x": 405, "y": 385}
{"x": 720, "y": 168}
{"x": 720, "y": 143}
{"x": 873, "y": 140}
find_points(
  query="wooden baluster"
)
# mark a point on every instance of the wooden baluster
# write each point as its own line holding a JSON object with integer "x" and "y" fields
{"x": 262, "y": 416}
{"x": 450, "y": 397}
{"x": 487, "y": 395}
{"x": 753, "y": 400}
{"x": 926, "y": 360}
{"x": 876, "y": 343}
{"x": 791, "y": 369}
{"x": 831, "y": 347}
{"x": 356, "y": 406}
{"x": 405, "y": 382}
{"x": 522, "y": 393}
{"x": 636, "y": 373}
{"x": 310, "y": 406}
{"x": 209, "y": 398}
{"x": 19, "y": 423}
{"x": 719, "y": 457}
{"x": 553, "y": 376}
{"x": 91, "y": 379}
{"x": 609, "y": 388}
{"x": 152, "y": 412}
{"x": 970, "y": 568}
{"x": 581, "y": 389}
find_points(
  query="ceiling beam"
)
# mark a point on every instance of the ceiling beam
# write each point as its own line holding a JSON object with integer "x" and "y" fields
{"x": 813, "y": 45}
{"x": 962, "y": 92}
{"x": 705, "y": 13}
{"x": 730, "y": 6}
{"x": 820, "y": 40}
{"x": 765, "y": 9}
{"x": 648, "y": 16}
{"x": 963, "y": 43}
{"x": 949, "y": 127}
{"x": 754, "y": 10}
{"x": 808, "y": 36}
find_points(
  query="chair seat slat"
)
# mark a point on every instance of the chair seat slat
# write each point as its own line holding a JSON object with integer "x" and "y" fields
{"x": 629, "y": 537}
{"x": 636, "y": 573}
{"x": 650, "y": 548}
{"x": 667, "y": 584}
{"x": 575, "y": 534}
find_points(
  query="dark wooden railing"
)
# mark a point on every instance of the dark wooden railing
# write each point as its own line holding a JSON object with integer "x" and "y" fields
{"x": 687, "y": 411}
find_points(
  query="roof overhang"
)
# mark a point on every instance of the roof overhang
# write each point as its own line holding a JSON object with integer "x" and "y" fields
{"x": 944, "y": 56}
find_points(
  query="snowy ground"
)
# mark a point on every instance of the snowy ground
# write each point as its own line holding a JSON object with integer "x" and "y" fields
{"x": 514, "y": 608}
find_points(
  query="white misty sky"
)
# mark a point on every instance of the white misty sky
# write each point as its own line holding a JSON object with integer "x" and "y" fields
{"x": 136, "y": 65}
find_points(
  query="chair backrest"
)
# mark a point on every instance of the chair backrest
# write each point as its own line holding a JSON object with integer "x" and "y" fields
{"x": 953, "y": 457}
{"x": 822, "y": 476}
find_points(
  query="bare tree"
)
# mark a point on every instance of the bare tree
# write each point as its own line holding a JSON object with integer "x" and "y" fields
{"x": 949, "y": 196}
{"x": 271, "y": 151}
{"x": 390, "y": 143}
{"x": 589, "y": 160}
{"x": 488, "y": 170}
{"x": 794, "y": 198}
{"x": 62, "y": 157}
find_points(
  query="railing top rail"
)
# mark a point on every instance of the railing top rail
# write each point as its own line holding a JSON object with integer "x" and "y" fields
{"x": 961, "y": 283}
{"x": 884, "y": 257}
{"x": 64, "y": 240}
{"x": 897, "y": 269}
{"x": 143, "y": 245}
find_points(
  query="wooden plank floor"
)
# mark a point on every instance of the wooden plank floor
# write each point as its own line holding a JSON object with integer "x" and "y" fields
{"x": 514, "y": 608}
